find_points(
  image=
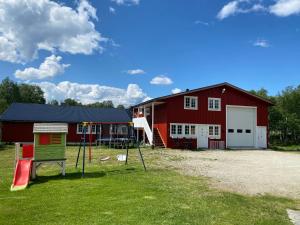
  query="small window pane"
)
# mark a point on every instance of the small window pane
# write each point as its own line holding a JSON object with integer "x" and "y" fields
{"x": 230, "y": 130}
{"x": 187, "y": 129}
{"x": 193, "y": 130}
{"x": 80, "y": 128}
{"x": 93, "y": 128}
{"x": 217, "y": 104}
{"x": 211, "y": 103}
{"x": 187, "y": 102}
{"x": 179, "y": 129}
{"x": 173, "y": 129}
{"x": 217, "y": 131}
{"x": 240, "y": 131}
{"x": 248, "y": 131}
{"x": 193, "y": 103}
{"x": 211, "y": 130}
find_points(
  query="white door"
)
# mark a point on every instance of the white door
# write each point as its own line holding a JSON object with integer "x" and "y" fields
{"x": 202, "y": 136}
{"x": 241, "y": 127}
{"x": 261, "y": 137}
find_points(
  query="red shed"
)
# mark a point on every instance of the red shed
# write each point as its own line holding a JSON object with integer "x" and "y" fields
{"x": 217, "y": 116}
{"x": 17, "y": 121}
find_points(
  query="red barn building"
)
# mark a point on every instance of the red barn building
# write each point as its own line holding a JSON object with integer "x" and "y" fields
{"x": 218, "y": 116}
{"x": 17, "y": 121}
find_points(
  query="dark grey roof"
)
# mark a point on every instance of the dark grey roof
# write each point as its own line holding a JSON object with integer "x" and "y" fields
{"x": 202, "y": 89}
{"x": 23, "y": 112}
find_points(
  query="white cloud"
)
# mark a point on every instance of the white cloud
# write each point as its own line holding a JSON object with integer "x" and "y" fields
{"x": 197, "y": 22}
{"x": 112, "y": 10}
{"x": 228, "y": 10}
{"x": 280, "y": 8}
{"x": 161, "y": 80}
{"x": 261, "y": 43}
{"x": 135, "y": 72}
{"x": 28, "y": 26}
{"x": 285, "y": 7}
{"x": 51, "y": 67}
{"x": 90, "y": 93}
{"x": 176, "y": 91}
{"x": 239, "y": 6}
{"x": 126, "y": 2}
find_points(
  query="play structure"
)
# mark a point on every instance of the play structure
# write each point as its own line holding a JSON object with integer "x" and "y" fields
{"x": 119, "y": 139}
{"x": 49, "y": 147}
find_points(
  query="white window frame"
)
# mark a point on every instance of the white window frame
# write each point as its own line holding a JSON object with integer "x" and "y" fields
{"x": 183, "y": 127}
{"x": 88, "y": 130}
{"x": 190, "y": 99}
{"x": 214, "y": 136}
{"x": 214, "y": 104}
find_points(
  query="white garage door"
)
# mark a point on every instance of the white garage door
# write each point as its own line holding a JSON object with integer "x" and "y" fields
{"x": 241, "y": 125}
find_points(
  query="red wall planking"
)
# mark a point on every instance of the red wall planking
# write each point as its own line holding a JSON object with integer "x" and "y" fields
{"x": 22, "y": 132}
{"x": 173, "y": 110}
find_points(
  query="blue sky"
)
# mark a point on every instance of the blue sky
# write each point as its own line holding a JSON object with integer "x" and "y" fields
{"x": 185, "y": 44}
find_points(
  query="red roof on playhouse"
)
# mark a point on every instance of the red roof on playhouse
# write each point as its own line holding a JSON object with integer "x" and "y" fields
{"x": 218, "y": 116}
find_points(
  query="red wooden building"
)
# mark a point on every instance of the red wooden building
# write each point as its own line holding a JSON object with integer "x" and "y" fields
{"x": 16, "y": 123}
{"x": 218, "y": 116}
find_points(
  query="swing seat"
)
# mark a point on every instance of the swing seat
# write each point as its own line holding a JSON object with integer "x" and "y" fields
{"x": 105, "y": 158}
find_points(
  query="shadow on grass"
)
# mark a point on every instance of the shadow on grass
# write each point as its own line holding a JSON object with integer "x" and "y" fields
{"x": 78, "y": 175}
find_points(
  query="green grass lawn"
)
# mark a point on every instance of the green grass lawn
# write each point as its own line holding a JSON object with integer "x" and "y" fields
{"x": 294, "y": 148}
{"x": 112, "y": 193}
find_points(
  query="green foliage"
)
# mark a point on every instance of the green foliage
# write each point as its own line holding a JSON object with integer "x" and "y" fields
{"x": 11, "y": 92}
{"x": 120, "y": 107}
{"x": 31, "y": 94}
{"x": 104, "y": 104}
{"x": 71, "y": 102}
{"x": 284, "y": 117}
{"x": 54, "y": 102}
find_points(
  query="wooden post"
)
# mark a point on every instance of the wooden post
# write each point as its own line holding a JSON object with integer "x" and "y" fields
{"x": 90, "y": 141}
{"x": 17, "y": 146}
{"x": 152, "y": 123}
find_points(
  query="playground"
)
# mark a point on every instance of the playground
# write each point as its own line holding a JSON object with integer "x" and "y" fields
{"x": 114, "y": 193}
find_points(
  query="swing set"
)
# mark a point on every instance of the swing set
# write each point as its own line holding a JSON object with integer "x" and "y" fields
{"x": 87, "y": 139}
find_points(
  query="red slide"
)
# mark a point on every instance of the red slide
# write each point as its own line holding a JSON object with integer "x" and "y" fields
{"x": 22, "y": 175}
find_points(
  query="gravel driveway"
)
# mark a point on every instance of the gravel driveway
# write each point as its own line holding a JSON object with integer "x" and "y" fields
{"x": 246, "y": 172}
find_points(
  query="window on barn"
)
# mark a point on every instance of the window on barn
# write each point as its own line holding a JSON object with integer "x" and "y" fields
{"x": 122, "y": 130}
{"x": 179, "y": 129}
{"x": 94, "y": 129}
{"x": 193, "y": 130}
{"x": 214, "y": 131}
{"x": 182, "y": 130}
{"x": 80, "y": 128}
{"x": 214, "y": 104}
{"x": 173, "y": 129}
{"x": 191, "y": 102}
{"x": 187, "y": 130}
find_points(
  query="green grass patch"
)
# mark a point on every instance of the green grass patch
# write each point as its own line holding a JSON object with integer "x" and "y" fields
{"x": 112, "y": 193}
{"x": 285, "y": 147}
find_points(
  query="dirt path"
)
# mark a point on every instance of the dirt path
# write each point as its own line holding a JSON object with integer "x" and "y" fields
{"x": 245, "y": 172}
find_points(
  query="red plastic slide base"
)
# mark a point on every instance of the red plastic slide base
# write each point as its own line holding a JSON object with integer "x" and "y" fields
{"x": 22, "y": 175}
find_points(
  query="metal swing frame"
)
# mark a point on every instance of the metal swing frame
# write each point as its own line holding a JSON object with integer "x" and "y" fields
{"x": 83, "y": 144}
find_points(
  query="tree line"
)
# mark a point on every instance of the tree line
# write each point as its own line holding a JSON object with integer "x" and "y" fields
{"x": 284, "y": 116}
{"x": 11, "y": 92}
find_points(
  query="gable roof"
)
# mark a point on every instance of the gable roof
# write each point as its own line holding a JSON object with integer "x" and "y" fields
{"x": 23, "y": 112}
{"x": 203, "y": 89}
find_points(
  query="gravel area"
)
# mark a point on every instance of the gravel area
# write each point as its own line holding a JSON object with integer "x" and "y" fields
{"x": 246, "y": 172}
{"x": 294, "y": 216}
